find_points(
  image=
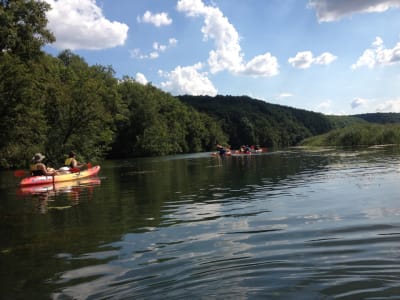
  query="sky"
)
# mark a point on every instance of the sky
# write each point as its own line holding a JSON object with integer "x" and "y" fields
{"x": 337, "y": 57}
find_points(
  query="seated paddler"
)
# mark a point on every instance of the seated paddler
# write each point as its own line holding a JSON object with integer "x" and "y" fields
{"x": 38, "y": 168}
{"x": 71, "y": 161}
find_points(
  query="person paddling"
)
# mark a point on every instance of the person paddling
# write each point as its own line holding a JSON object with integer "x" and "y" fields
{"x": 38, "y": 168}
{"x": 71, "y": 161}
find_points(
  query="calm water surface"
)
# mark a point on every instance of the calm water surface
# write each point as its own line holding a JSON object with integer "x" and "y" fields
{"x": 292, "y": 224}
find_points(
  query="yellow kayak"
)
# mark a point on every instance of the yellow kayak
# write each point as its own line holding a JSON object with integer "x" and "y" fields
{"x": 34, "y": 180}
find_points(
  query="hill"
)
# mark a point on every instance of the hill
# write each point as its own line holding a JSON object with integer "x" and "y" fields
{"x": 381, "y": 118}
{"x": 249, "y": 121}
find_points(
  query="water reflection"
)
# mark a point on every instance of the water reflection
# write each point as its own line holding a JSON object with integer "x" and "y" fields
{"x": 293, "y": 224}
{"x": 48, "y": 196}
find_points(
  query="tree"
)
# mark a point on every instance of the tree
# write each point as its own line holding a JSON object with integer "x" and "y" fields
{"x": 23, "y": 28}
{"x": 81, "y": 107}
{"x": 23, "y": 124}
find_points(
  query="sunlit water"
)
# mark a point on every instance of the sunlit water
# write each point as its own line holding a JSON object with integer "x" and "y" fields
{"x": 292, "y": 224}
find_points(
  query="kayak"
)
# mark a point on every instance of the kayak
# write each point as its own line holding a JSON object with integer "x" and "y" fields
{"x": 249, "y": 152}
{"x": 58, "y": 187}
{"x": 34, "y": 180}
{"x": 228, "y": 153}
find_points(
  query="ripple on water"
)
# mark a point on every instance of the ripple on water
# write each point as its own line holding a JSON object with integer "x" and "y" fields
{"x": 329, "y": 230}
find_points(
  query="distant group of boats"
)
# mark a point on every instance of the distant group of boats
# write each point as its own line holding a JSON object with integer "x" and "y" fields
{"x": 243, "y": 150}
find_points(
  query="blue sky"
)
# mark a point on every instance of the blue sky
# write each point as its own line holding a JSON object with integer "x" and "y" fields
{"x": 329, "y": 56}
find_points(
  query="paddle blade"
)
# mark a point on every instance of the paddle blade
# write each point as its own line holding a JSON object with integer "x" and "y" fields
{"x": 19, "y": 173}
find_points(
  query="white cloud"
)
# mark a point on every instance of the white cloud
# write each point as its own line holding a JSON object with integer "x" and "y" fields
{"x": 262, "y": 65}
{"x": 227, "y": 54}
{"x": 284, "y": 95}
{"x": 188, "y": 80}
{"x": 80, "y": 24}
{"x": 325, "y": 58}
{"x": 357, "y": 102}
{"x": 389, "y": 106}
{"x": 158, "y": 48}
{"x": 158, "y": 20}
{"x": 304, "y": 60}
{"x": 141, "y": 78}
{"x": 369, "y": 105}
{"x": 324, "y": 106}
{"x": 329, "y": 10}
{"x": 378, "y": 55}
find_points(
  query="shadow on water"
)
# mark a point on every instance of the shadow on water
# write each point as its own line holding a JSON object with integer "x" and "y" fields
{"x": 293, "y": 224}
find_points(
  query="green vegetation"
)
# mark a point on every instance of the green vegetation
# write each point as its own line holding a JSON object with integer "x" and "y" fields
{"x": 358, "y": 135}
{"x": 249, "y": 121}
{"x": 157, "y": 124}
{"x": 381, "y": 118}
{"x": 57, "y": 104}
{"x": 344, "y": 121}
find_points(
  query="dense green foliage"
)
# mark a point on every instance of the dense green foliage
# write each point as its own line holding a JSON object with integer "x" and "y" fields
{"x": 57, "y": 104}
{"x": 358, "y": 135}
{"x": 381, "y": 118}
{"x": 249, "y": 121}
{"x": 23, "y": 28}
{"x": 159, "y": 124}
{"x": 344, "y": 121}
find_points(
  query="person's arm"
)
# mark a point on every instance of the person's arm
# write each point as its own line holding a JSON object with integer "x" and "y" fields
{"x": 76, "y": 164}
{"x": 46, "y": 172}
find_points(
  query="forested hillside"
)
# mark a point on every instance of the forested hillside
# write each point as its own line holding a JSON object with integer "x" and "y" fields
{"x": 57, "y": 104}
{"x": 250, "y": 121}
{"x": 366, "y": 134}
{"x": 381, "y": 118}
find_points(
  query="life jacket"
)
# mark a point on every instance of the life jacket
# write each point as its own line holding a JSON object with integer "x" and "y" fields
{"x": 68, "y": 162}
{"x": 35, "y": 171}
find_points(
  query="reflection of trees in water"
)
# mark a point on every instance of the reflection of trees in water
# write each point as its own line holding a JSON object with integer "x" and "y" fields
{"x": 152, "y": 185}
{"x": 60, "y": 196}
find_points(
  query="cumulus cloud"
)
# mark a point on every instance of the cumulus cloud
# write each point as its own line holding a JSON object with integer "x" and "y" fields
{"x": 357, "y": 102}
{"x": 80, "y": 24}
{"x": 328, "y": 10}
{"x": 370, "y": 105}
{"x": 389, "y": 106}
{"x": 158, "y": 20}
{"x": 304, "y": 60}
{"x": 188, "y": 81}
{"x": 227, "y": 54}
{"x": 378, "y": 55}
{"x": 157, "y": 49}
{"x": 324, "y": 106}
{"x": 141, "y": 78}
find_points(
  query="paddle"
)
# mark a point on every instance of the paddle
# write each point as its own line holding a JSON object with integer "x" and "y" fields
{"x": 20, "y": 173}
{"x": 76, "y": 170}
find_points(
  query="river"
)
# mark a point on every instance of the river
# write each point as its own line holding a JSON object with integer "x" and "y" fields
{"x": 289, "y": 224}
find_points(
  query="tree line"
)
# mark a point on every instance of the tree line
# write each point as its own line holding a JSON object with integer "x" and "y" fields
{"x": 363, "y": 134}
{"x": 249, "y": 121}
{"x": 57, "y": 104}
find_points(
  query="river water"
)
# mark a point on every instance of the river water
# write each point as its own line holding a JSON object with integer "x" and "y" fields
{"x": 293, "y": 224}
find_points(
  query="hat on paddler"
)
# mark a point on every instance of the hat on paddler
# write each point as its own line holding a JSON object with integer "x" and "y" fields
{"x": 38, "y": 157}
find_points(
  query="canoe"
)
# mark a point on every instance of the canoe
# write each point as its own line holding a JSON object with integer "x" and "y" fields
{"x": 34, "y": 180}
